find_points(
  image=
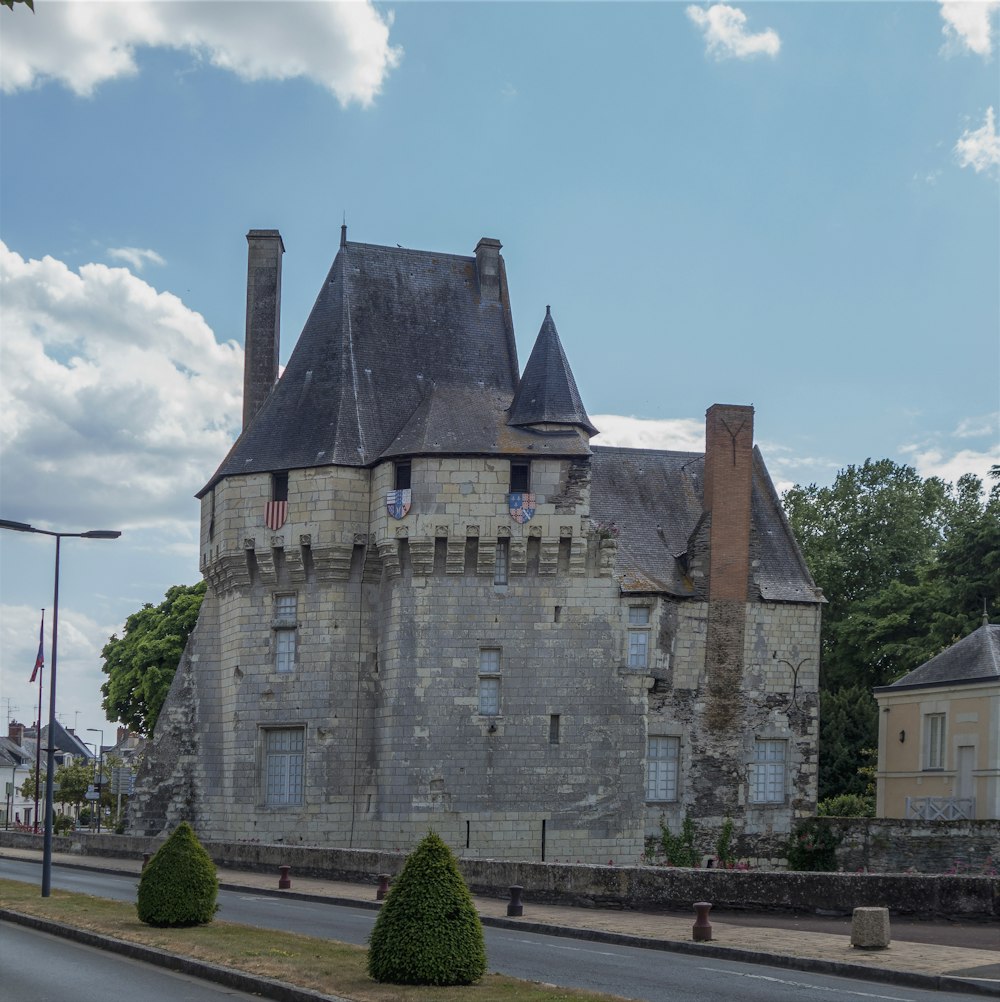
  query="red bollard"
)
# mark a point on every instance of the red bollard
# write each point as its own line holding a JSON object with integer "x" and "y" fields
{"x": 284, "y": 881}
{"x": 146, "y": 856}
{"x": 383, "y": 886}
{"x": 702, "y": 930}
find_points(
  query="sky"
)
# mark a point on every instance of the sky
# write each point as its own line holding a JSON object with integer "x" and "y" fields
{"x": 793, "y": 205}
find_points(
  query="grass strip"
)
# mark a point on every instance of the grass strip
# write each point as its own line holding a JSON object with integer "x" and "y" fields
{"x": 320, "y": 965}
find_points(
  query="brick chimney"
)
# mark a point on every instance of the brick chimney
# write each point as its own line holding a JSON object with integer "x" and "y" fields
{"x": 263, "y": 332}
{"x": 15, "y": 732}
{"x": 488, "y": 268}
{"x": 727, "y": 494}
{"x": 122, "y": 735}
{"x": 728, "y": 489}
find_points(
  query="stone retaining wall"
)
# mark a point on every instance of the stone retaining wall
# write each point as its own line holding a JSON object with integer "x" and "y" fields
{"x": 649, "y": 888}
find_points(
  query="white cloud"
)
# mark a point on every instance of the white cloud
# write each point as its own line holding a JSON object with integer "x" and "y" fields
{"x": 118, "y": 402}
{"x": 980, "y": 148}
{"x": 679, "y": 434}
{"x": 135, "y": 256}
{"x": 726, "y": 34}
{"x": 932, "y": 461}
{"x": 979, "y": 426}
{"x": 967, "y": 24}
{"x": 342, "y": 46}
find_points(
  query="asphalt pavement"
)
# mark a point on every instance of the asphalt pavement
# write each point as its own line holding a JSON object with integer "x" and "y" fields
{"x": 929, "y": 954}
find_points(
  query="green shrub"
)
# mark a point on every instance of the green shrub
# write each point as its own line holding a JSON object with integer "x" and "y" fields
{"x": 62, "y": 823}
{"x": 428, "y": 932}
{"x": 846, "y": 805}
{"x": 725, "y": 857}
{"x": 813, "y": 847}
{"x": 679, "y": 849}
{"x": 178, "y": 887}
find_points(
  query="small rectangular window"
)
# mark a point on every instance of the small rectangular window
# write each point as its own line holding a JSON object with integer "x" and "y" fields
{"x": 767, "y": 772}
{"x": 554, "y": 729}
{"x": 285, "y": 607}
{"x": 662, "y": 768}
{"x": 284, "y": 759}
{"x": 285, "y": 612}
{"x": 638, "y": 648}
{"x": 489, "y": 682}
{"x": 638, "y": 615}
{"x": 402, "y": 478}
{"x": 520, "y": 477}
{"x": 279, "y": 486}
{"x": 501, "y": 567}
{"x": 934, "y": 729}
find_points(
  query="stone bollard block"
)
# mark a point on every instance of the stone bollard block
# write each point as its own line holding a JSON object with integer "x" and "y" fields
{"x": 701, "y": 931}
{"x": 870, "y": 928}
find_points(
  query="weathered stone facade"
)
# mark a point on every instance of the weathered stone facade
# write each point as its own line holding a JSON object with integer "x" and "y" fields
{"x": 357, "y": 678}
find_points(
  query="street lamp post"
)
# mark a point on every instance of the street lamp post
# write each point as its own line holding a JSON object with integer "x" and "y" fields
{"x": 50, "y": 752}
{"x": 100, "y": 773}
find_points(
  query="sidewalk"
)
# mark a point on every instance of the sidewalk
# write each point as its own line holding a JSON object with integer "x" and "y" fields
{"x": 921, "y": 953}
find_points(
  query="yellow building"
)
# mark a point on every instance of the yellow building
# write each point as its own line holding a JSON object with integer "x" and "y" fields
{"x": 939, "y": 735}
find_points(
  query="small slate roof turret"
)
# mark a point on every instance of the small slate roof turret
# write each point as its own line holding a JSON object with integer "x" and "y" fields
{"x": 547, "y": 393}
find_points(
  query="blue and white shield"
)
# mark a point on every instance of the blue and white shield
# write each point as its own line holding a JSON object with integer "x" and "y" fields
{"x": 522, "y": 506}
{"x": 397, "y": 503}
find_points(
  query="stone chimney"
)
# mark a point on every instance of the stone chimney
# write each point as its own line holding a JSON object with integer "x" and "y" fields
{"x": 728, "y": 489}
{"x": 122, "y": 735}
{"x": 263, "y": 333}
{"x": 488, "y": 268}
{"x": 727, "y": 495}
{"x": 15, "y": 732}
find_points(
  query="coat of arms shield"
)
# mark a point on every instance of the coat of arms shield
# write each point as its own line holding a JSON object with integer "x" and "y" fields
{"x": 521, "y": 506}
{"x": 397, "y": 503}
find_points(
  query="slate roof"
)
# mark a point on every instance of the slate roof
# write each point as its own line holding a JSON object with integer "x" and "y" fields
{"x": 655, "y": 499}
{"x": 547, "y": 393}
{"x": 389, "y": 362}
{"x": 975, "y": 658}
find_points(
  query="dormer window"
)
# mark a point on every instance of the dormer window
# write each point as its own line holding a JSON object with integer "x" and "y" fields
{"x": 520, "y": 477}
{"x": 402, "y": 475}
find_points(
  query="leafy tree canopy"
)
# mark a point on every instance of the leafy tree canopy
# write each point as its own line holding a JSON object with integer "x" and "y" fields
{"x": 906, "y": 565}
{"x": 140, "y": 665}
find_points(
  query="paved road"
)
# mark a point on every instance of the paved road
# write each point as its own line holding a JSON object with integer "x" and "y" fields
{"x": 649, "y": 975}
{"x": 42, "y": 968}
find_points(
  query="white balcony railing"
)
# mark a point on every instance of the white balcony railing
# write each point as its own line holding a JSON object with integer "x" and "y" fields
{"x": 941, "y": 808}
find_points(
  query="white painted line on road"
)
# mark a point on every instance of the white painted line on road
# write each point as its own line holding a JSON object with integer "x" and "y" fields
{"x": 804, "y": 984}
{"x": 572, "y": 949}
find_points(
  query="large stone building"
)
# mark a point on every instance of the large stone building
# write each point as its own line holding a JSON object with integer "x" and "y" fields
{"x": 432, "y": 603}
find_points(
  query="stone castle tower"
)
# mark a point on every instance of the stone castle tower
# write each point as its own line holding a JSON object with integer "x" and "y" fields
{"x": 432, "y": 603}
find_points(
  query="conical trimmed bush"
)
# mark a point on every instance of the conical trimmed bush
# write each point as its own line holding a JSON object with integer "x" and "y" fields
{"x": 178, "y": 887}
{"x": 428, "y": 932}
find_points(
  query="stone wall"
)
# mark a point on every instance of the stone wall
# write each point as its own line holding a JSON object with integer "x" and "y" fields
{"x": 647, "y": 888}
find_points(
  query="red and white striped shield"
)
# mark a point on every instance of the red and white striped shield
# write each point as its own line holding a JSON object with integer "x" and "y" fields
{"x": 275, "y": 513}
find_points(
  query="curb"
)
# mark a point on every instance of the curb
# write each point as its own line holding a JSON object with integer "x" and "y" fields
{"x": 227, "y": 976}
{"x": 816, "y": 965}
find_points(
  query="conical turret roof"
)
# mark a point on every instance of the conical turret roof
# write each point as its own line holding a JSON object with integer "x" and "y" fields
{"x": 547, "y": 393}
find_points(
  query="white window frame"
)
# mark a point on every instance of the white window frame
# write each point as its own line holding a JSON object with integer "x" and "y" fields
{"x": 663, "y": 757}
{"x": 637, "y": 655}
{"x": 285, "y": 630}
{"x": 283, "y": 766}
{"x": 935, "y": 731}
{"x": 489, "y": 681}
{"x": 768, "y": 771}
{"x": 501, "y": 566}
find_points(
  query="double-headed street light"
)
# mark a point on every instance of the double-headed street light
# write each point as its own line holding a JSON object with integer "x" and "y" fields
{"x": 50, "y": 752}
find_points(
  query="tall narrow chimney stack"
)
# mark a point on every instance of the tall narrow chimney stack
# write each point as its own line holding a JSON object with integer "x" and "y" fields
{"x": 488, "y": 268}
{"x": 263, "y": 333}
{"x": 728, "y": 493}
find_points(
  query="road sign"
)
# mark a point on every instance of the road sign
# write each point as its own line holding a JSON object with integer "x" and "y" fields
{"x": 91, "y": 795}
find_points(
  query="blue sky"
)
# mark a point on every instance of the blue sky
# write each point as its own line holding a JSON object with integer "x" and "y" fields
{"x": 794, "y": 205}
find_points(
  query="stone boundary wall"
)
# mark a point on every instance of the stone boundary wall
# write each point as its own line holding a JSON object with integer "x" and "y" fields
{"x": 648, "y": 888}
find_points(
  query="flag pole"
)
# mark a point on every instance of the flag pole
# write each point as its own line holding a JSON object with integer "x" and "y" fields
{"x": 40, "y": 665}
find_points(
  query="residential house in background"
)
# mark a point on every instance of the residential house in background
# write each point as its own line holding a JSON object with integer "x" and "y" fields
{"x": 939, "y": 734}
{"x": 433, "y": 603}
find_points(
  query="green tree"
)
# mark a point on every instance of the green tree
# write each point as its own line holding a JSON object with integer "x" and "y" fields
{"x": 140, "y": 665}
{"x": 428, "y": 932}
{"x": 848, "y": 725}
